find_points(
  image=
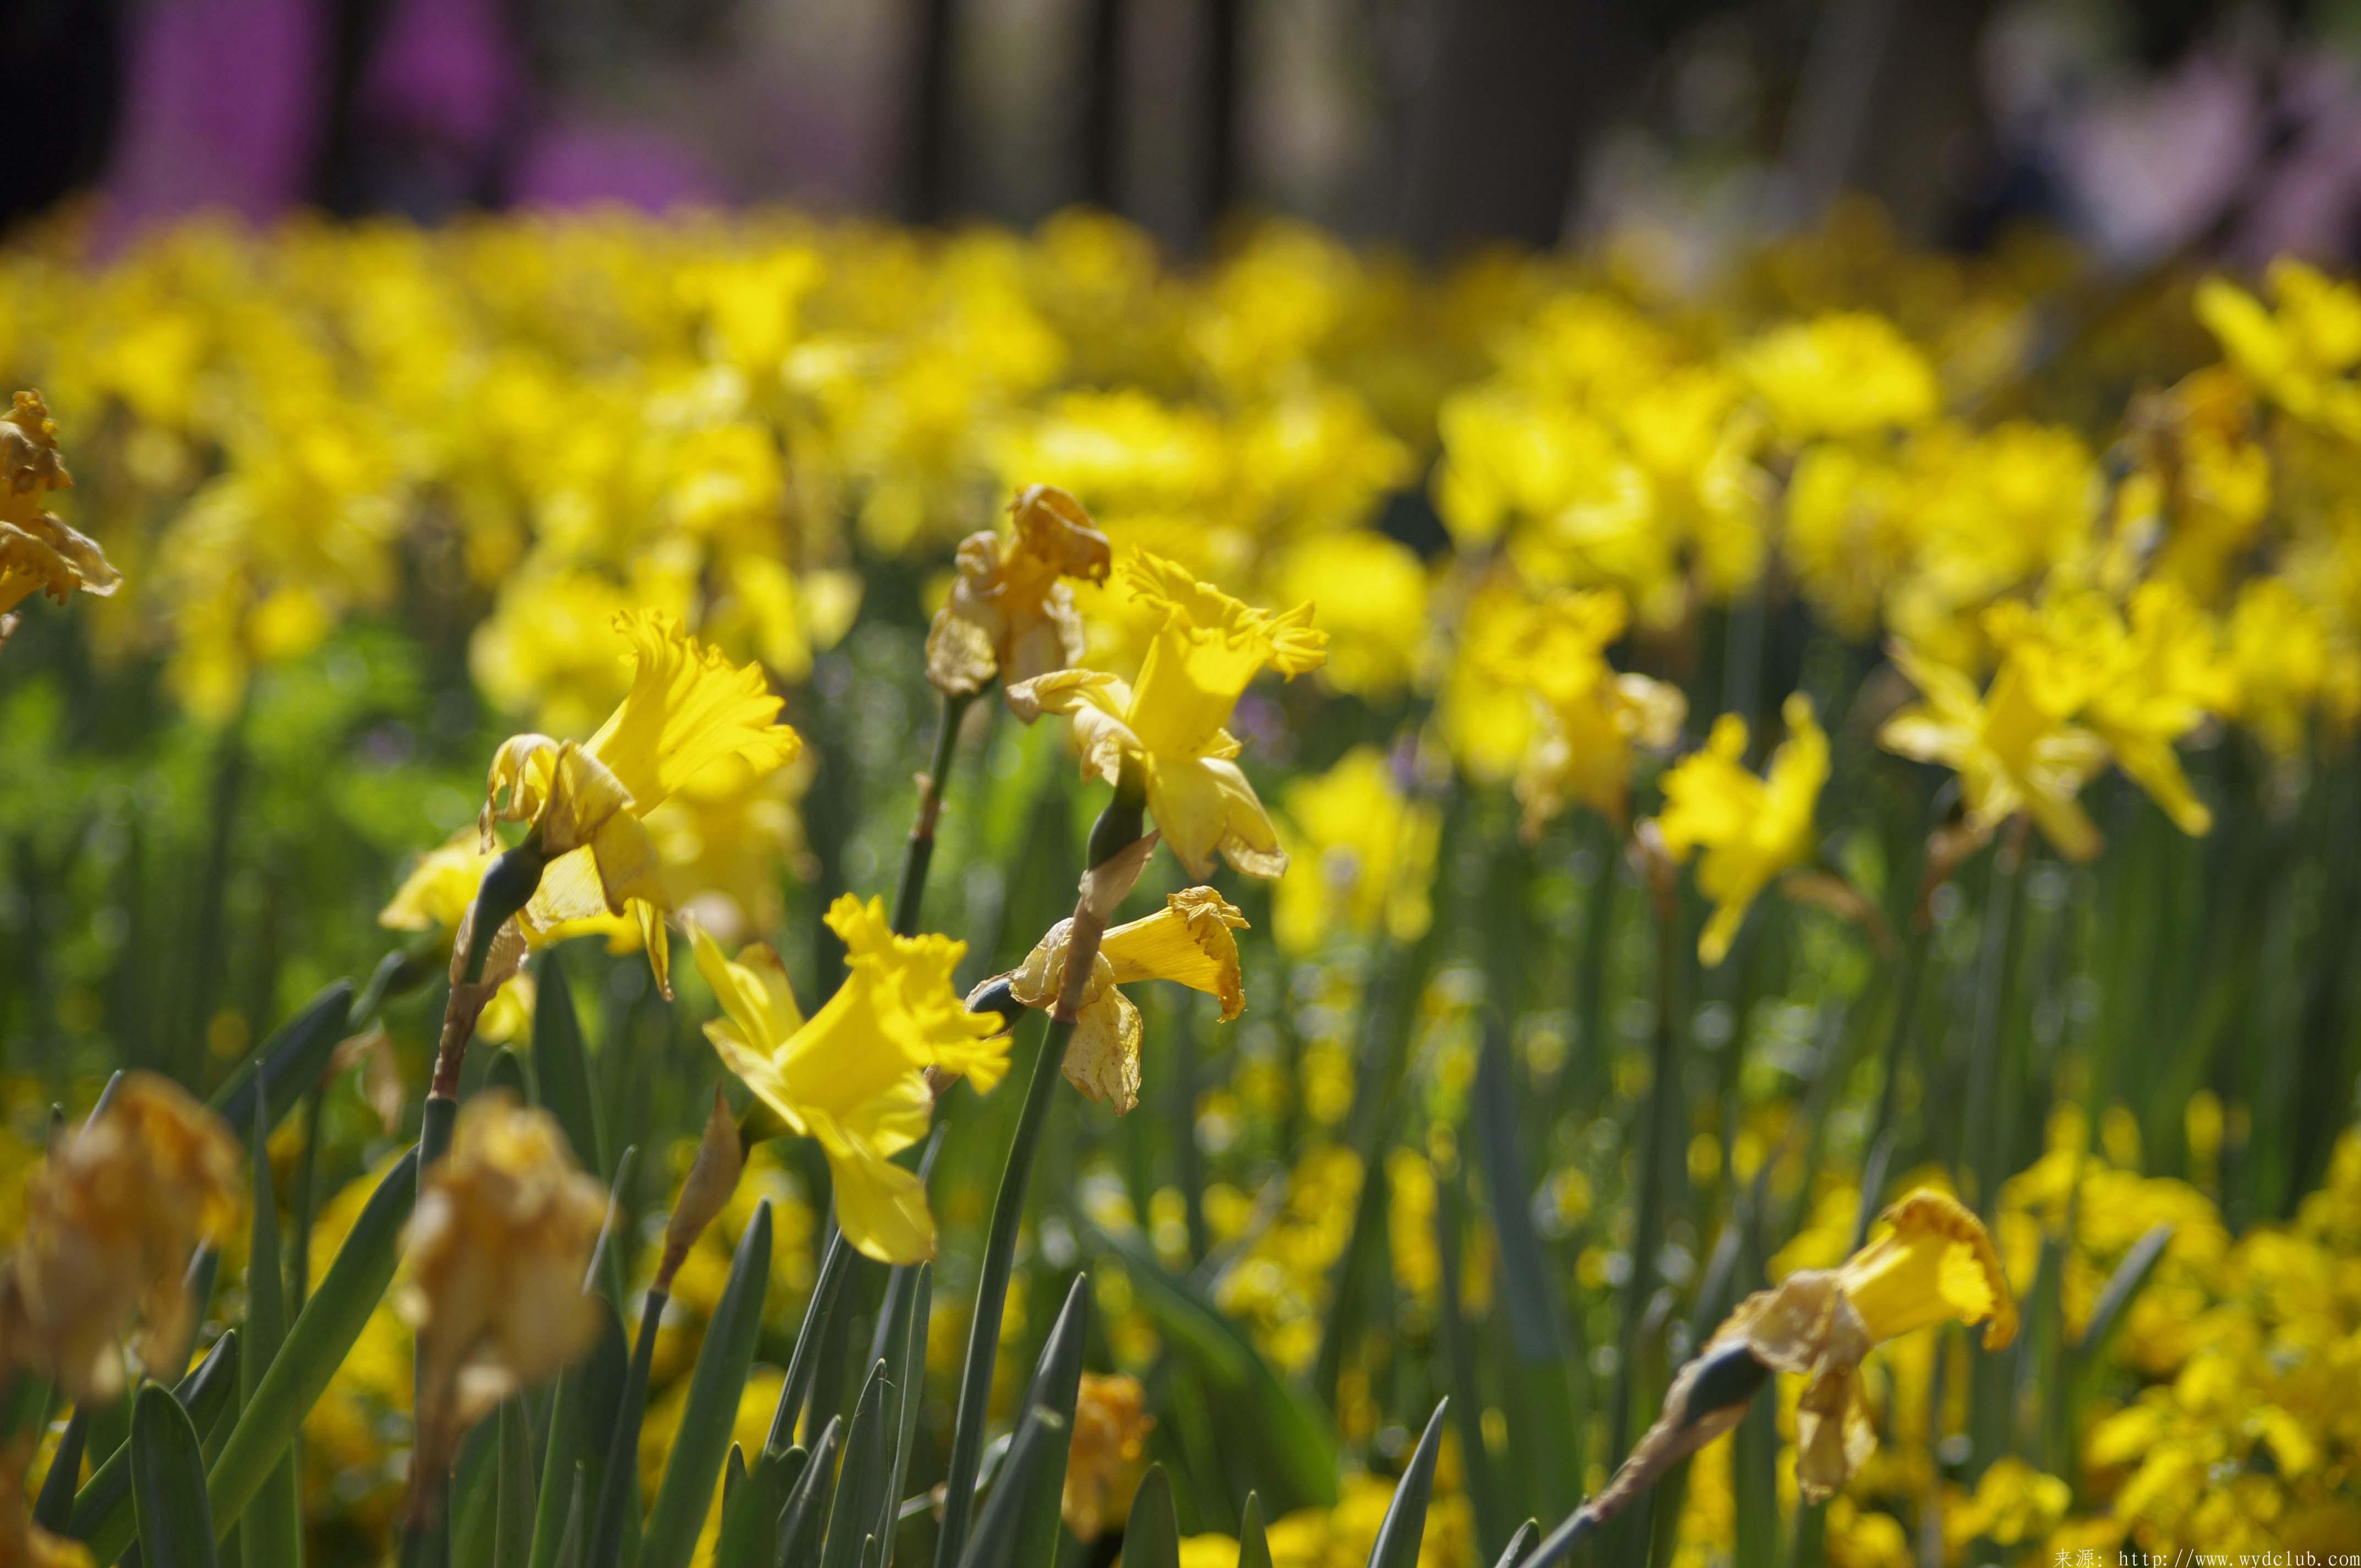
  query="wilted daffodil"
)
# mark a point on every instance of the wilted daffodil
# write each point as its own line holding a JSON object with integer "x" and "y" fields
{"x": 1934, "y": 1264}
{"x": 1751, "y": 828}
{"x": 497, "y": 1254}
{"x": 1011, "y": 613}
{"x": 2010, "y": 752}
{"x": 690, "y": 713}
{"x": 1108, "y": 1456}
{"x": 110, "y": 1220}
{"x": 1206, "y": 649}
{"x": 1596, "y": 718}
{"x": 39, "y": 553}
{"x": 853, "y": 1076}
{"x": 1188, "y": 940}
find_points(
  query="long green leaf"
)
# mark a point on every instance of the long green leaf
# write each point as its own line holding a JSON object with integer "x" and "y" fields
{"x": 807, "y": 1504}
{"x": 102, "y": 1509}
{"x": 168, "y": 1484}
{"x": 714, "y": 1389}
{"x": 288, "y": 1063}
{"x": 1519, "y": 1544}
{"x": 317, "y": 1344}
{"x": 909, "y": 1390}
{"x": 270, "y": 1529}
{"x": 1288, "y": 1439}
{"x": 1459, "y": 1353}
{"x": 1057, "y": 1382}
{"x": 618, "y": 1507}
{"x": 835, "y": 1269}
{"x": 581, "y": 1414}
{"x": 750, "y": 1513}
{"x": 1039, "y": 1449}
{"x": 861, "y": 1485}
{"x": 1254, "y": 1540}
{"x": 54, "y": 1506}
{"x": 1405, "y": 1521}
{"x": 1152, "y": 1538}
{"x": 514, "y": 1521}
{"x": 506, "y": 1071}
{"x": 561, "y": 1069}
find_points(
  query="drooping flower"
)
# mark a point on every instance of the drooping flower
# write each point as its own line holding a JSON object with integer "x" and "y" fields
{"x": 110, "y": 1218}
{"x": 1108, "y": 1456}
{"x": 2011, "y": 754}
{"x": 1751, "y": 828}
{"x": 1934, "y": 1264}
{"x": 39, "y": 553}
{"x": 1596, "y": 718}
{"x": 497, "y": 1253}
{"x": 1188, "y": 941}
{"x": 689, "y": 715}
{"x": 853, "y": 1076}
{"x": 1206, "y": 649}
{"x": 1011, "y": 613}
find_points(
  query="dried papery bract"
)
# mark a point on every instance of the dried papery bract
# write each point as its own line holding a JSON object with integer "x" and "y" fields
{"x": 1011, "y": 612}
{"x": 110, "y": 1218}
{"x": 497, "y": 1253}
{"x": 712, "y": 1177}
{"x": 39, "y": 553}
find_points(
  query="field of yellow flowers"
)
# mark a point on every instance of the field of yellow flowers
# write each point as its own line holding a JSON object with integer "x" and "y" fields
{"x": 760, "y": 891}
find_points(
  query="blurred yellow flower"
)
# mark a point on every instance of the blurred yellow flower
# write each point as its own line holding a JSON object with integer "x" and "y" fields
{"x": 1595, "y": 720}
{"x": 1848, "y": 373}
{"x": 110, "y": 1218}
{"x": 1751, "y": 828}
{"x": 1934, "y": 1264}
{"x": 496, "y": 1255}
{"x": 1370, "y": 852}
{"x": 1011, "y": 613}
{"x": 853, "y": 1076}
{"x": 1187, "y": 941}
{"x": 689, "y": 718}
{"x": 2011, "y": 754}
{"x": 1107, "y": 1457}
{"x": 1207, "y": 648}
{"x": 39, "y": 553}
{"x": 2303, "y": 357}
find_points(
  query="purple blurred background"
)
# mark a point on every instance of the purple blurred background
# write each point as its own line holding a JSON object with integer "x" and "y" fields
{"x": 2140, "y": 129}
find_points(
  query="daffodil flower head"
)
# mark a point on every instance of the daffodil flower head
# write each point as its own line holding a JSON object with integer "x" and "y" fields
{"x": 39, "y": 553}
{"x": 853, "y": 1076}
{"x": 1933, "y": 1263}
{"x": 110, "y": 1218}
{"x": 2304, "y": 356}
{"x": 496, "y": 1255}
{"x": 2009, "y": 748}
{"x": 1011, "y": 612}
{"x": 1595, "y": 718}
{"x": 1107, "y": 1458}
{"x": 1188, "y": 941}
{"x": 1751, "y": 828}
{"x": 689, "y": 718}
{"x": 1206, "y": 649}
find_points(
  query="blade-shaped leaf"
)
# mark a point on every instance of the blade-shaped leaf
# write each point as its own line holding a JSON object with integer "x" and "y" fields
{"x": 168, "y": 1484}
{"x": 1519, "y": 1544}
{"x": 619, "y": 1487}
{"x": 514, "y": 1489}
{"x": 1039, "y": 1450}
{"x": 835, "y": 1269}
{"x": 288, "y": 1063}
{"x": 580, "y": 1416}
{"x": 317, "y": 1344}
{"x": 807, "y": 1504}
{"x": 862, "y": 1483}
{"x": 1057, "y": 1382}
{"x": 1405, "y": 1521}
{"x": 750, "y": 1512}
{"x": 562, "y": 1069}
{"x": 1152, "y": 1538}
{"x": 1253, "y": 1540}
{"x": 506, "y": 1071}
{"x": 54, "y": 1506}
{"x": 270, "y": 1529}
{"x": 703, "y": 1436}
{"x": 102, "y": 1509}
{"x": 908, "y": 1393}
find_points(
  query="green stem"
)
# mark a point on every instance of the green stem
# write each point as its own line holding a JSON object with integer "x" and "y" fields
{"x": 910, "y": 896}
{"x": 1913, "y": 967}
{"x": 990, "y": 1295}
{"x": 1659, "y": 1133}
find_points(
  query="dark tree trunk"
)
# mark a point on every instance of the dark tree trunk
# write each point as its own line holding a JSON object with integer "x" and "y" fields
{"x": 927, "y": 156}
{"x": 1100, "y": 93}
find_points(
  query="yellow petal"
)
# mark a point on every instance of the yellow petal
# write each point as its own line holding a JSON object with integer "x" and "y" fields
{"x": 690, "y": 712}
{"x": 1936, "y": 1264}
{"x": 1102, "y": 1057}
{"x": 1189, "y": 940}
{"x": 752, "y": 990}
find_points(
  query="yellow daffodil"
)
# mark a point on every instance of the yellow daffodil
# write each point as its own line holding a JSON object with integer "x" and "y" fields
{"x": 1108, "y": 1456}
{"x": 1751, "y": 828}
{"x": 1206, "y": 649}
{"x": 2304, "y": 356}
{"x": 1011, "y": 613}
{"x": 497, "y": 1253}
{"x": 39, "y": 553}
{"x": 1842, "y": 375}
{"x": 853, "y": 1076}
{"x": 1372, "y": 848}
{"x": 2140, "y": 686}
{"x": 110, "y": 1218}
{"x": 689, "y": 715}
{"x": 1188, "y": 940}
{"x": 2010, "y": 752}
{"x": 1595, "y": 719}
{"x": 1934, "y": 1264}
